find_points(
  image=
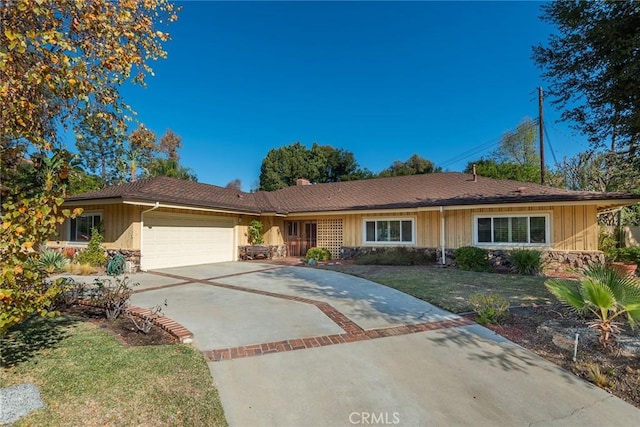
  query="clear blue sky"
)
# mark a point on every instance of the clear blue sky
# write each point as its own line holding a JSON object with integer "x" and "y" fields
{"x": 383, "y": 80}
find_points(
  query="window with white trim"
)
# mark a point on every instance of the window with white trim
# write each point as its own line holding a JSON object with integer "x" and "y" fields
{"x": 512, "y": 230}
{"x": 80, "y": 226}
{"x": 389, "y": 230}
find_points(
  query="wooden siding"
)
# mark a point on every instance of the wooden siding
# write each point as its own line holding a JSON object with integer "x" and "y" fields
{"x": 122, "y": 224}
{"x": 572, "y": 228}
{"x": 427, "y": 227}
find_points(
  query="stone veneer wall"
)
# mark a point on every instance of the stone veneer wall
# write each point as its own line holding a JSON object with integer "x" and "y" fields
{"x": 275, "y": 251}
{"x": 554, "y": 260}
{"x": 131, "y": 257}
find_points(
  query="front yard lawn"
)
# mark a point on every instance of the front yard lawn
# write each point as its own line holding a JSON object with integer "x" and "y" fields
{"x": 450, "y": 288}
{"x": 87, "y": 377}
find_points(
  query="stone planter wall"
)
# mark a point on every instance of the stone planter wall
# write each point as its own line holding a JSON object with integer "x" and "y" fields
{"x": 275, "y": 251}
{"x": 499, "y": 259}
{"x": 131, "y": 257}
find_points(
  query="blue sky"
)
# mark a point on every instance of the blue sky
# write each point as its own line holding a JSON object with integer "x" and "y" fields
{"x": 383, "y": 80}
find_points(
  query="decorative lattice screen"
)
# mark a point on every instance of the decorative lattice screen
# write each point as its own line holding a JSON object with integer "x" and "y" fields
{"x": 330, "y": 236}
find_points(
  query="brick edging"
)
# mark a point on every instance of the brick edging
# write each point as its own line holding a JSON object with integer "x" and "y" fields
{"x": 169, "y": 325}
{"x": 239, "y": 352}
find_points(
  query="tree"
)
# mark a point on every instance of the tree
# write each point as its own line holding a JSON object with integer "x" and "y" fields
{"x": 65, "y": 60}
{"x": 62, "y": 62}
{"x": 519, "y": 146}
{"x": 139, "y": 153}
{"x": 283, "y": 166}
{"x": 331, "y": 164}
{"x": 592, "y": 64}
{"x": 415, "y": 165}
{"x": 99, "y": 140}
{"x": 516, "y": 157}
{"x": 235, "y": 184}
{"x": 170, "y": 143}
{"x": 172, "y": 168}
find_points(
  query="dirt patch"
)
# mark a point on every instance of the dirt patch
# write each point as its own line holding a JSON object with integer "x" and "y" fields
{"x": 122, "y": 328}
{"x": 550, "y": 332}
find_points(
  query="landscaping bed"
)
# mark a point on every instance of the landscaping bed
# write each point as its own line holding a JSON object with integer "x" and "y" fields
{"x": 94, "y": 372}
{"x": 539, "y": 323}
{"x": 550, "y": 333}
{"x": 123, "y": 329}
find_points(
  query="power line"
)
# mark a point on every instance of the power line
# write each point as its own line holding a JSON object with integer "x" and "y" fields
{"x": 471, "y": 152}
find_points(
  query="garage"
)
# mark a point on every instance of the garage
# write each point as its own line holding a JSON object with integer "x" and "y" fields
{"x": 174, "y": 240}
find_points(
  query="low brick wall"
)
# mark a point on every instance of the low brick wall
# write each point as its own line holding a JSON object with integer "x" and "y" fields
{"x": 499, "y": 259}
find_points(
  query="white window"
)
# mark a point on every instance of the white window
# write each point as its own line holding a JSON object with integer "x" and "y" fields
{"x": 399, "y": 231}
{"x": 512, "y": 230}
{"x": 80, "y": 226}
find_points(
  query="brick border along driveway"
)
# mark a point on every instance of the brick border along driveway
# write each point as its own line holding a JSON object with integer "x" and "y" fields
{"x": 353, "y": 332}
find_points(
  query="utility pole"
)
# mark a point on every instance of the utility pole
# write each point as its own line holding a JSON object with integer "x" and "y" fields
{"x": 541, "y": 130}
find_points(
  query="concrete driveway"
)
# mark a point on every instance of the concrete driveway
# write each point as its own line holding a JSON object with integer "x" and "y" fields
{"x": 291, "y": 346}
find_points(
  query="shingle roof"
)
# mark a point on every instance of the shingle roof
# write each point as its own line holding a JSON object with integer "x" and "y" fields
{"x": 175, "y": 191}
{"x": 438, "y": 189}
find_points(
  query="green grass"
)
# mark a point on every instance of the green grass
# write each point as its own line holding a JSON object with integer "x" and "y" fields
{"x": 450, "y": 288}
{"x": 86, "y": 377}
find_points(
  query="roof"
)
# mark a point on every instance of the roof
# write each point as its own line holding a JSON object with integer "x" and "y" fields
{"x": 415, "y": 191}
{"x": 177, "y": 192}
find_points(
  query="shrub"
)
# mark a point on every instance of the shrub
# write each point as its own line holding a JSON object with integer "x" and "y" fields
{"x": 94, "y": 254}
{"x": 526, "y": 262}
{"x": 112, "y": 295}
{"x": 254, "y": 233}
{"x": 73, "y": 291}
{"x": 394, "y": 256}
{"x": 472, "y": 258}
{"x": 490, "y": 308}
{"x": 608, "y": 244}
{"x": 319, "y": 254}
{"x": 605, "y": 294}
{"x": 51, "y": 261}
{"x": 630, "y": 254}
{"x": 144, "y": 322}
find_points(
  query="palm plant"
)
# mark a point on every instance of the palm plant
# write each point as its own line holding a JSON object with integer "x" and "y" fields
{"x": 606, "y": 294}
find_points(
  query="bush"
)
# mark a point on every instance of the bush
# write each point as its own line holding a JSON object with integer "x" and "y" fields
{"x": 94, "y": 254}
{"x": 254, "y": 233}
{"x": 112, "y": 295}
{"x": 472, "y": 258}
{"x": 51, "y": 261}
{"x": 490, "y": 308}
{"x": 319, "y": 254}
{"x": 630, "y": 254}
{"x": 526, "y": 262}
{"x": 394, "y": 256}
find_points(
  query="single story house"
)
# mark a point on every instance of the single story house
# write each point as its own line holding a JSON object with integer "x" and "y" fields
{"x": 166, "y": 222}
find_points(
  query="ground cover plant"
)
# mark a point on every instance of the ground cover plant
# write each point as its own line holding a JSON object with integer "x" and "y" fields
{"x": 89, "y": 374}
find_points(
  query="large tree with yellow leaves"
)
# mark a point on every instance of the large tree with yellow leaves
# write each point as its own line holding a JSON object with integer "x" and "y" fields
{"x": 62, "y": 62}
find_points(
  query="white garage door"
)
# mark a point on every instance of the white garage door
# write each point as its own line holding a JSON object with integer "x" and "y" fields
{"x": 174, "y": 240}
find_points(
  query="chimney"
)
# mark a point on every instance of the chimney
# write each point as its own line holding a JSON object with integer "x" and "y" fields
{"x": 303, "y": 181}
{"x": 475, "y": 175}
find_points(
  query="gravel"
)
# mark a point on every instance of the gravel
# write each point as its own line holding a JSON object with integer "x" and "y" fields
{"x": 17, "y": 401}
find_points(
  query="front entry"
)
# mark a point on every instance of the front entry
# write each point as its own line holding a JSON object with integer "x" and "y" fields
{"x": 300, "y": 236}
